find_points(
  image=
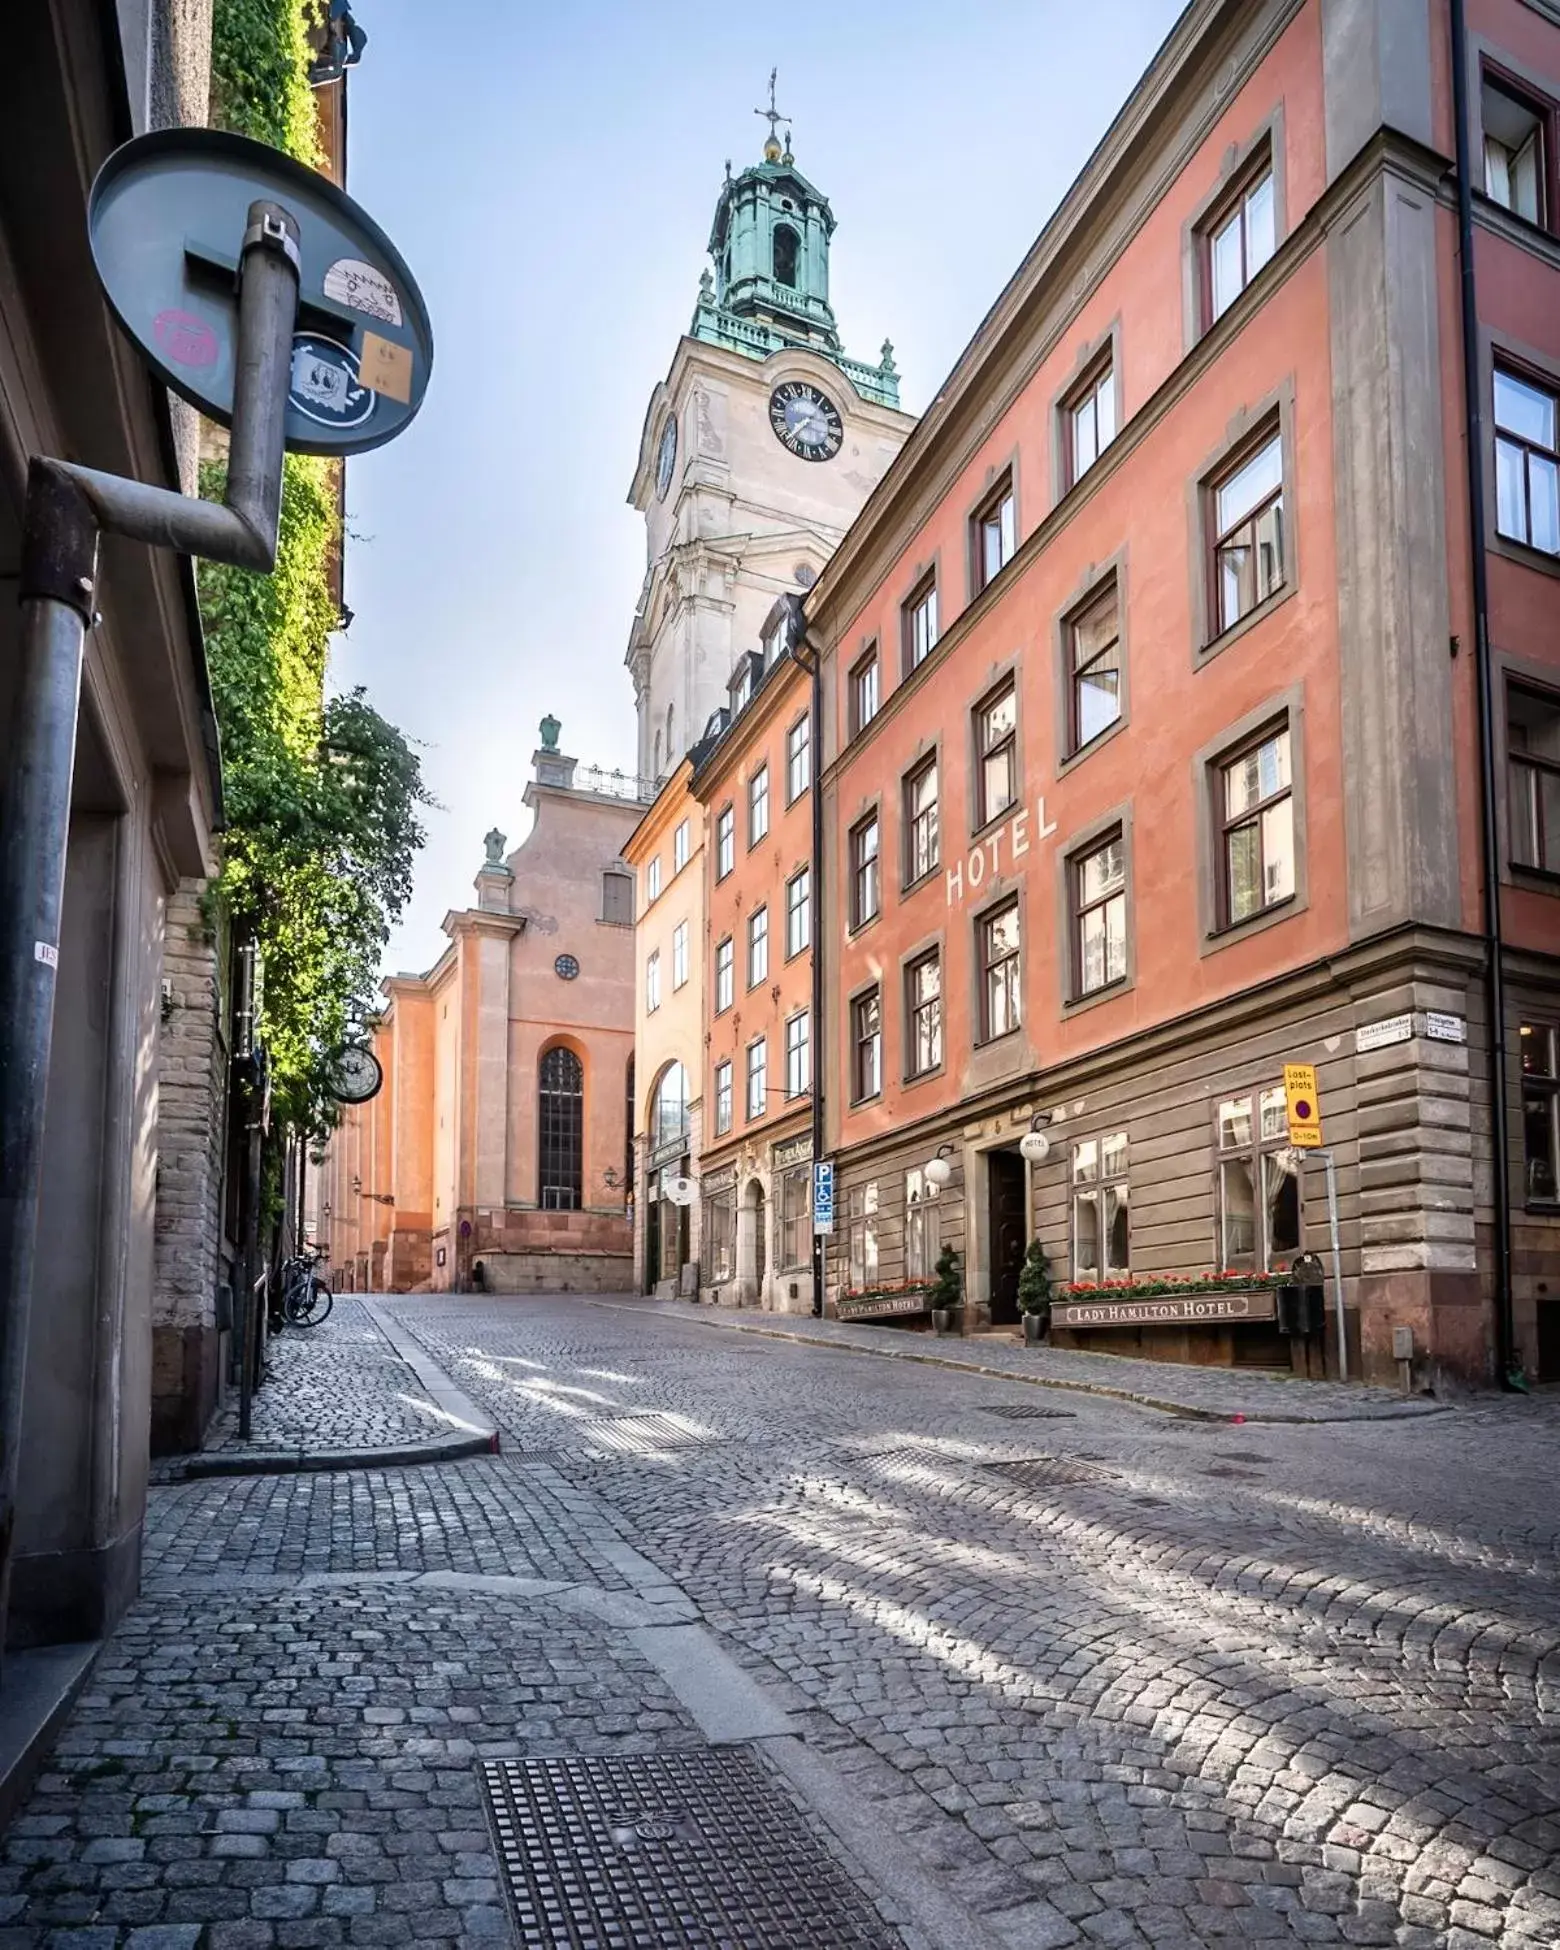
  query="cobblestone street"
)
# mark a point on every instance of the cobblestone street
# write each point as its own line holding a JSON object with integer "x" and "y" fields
{"x": 1042, "y": 1667}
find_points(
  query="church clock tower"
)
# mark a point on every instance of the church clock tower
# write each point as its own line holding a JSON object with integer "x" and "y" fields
{"x": 758, "y": 449}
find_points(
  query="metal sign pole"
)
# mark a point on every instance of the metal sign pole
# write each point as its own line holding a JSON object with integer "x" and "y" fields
{"x": 67, "y": 508}
{"x": 1339, "y": 1314}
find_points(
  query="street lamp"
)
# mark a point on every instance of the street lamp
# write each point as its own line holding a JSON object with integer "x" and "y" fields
{"x": 938, "y": 1171}
{"x": 1034, "y": 1147}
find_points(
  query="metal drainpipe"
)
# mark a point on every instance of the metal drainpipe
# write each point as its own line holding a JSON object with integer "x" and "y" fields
{"x": 810, "y": 658}
{"x": 1494, "y": 948}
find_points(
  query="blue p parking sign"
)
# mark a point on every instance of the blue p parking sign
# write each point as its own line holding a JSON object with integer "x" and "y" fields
{"x": 823, "y": 1195}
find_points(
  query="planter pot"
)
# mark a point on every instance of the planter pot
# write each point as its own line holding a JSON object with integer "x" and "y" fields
{"x": 945, "y": 1320}
{"x": 1035, "y": 1325}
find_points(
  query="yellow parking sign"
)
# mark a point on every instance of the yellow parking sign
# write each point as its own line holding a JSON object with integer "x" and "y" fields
{"x": 1303, "y": 1106}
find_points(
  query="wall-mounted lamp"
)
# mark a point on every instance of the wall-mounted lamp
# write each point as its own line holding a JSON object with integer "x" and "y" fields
{"x": 1034, "y": 1147}
{"x": 938, "y": 1171}
{"x": 612, "y": 1178}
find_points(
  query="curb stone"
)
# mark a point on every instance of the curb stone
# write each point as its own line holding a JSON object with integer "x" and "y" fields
{"x": 295, "y": 1462}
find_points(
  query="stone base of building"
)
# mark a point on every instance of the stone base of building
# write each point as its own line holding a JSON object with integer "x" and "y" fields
{"x": 186, "y": 1387}
{"x": 1449, "y": 1317}
{"x": 783, "y": 1293}
{"x": 547, "y": 1272}
{"x": 65, "y": 1597}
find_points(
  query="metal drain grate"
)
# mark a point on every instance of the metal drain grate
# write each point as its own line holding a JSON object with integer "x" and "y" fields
{"x": 646, "y": 1435}
{"x": 1242, "y": 1472}
{"x": 662, "y": 1851}
{"x": 1050, "y": 1472}
{"x": 1026, "y": 1412}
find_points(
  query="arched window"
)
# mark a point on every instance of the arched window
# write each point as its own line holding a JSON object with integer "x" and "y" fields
{"x": 669, "y": 1107}
{"x": 671, "y": 748}
{"x": 657, "y": 772}
{"x": 561, "y": 1131}
{"x": 787, "y": 247}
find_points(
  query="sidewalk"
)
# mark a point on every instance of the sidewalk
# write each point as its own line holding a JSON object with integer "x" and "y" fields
{"x": 1205, "y": 1394}
{"x": 355, "y": 1391}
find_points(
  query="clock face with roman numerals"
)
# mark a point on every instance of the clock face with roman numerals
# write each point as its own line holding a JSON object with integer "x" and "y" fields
{"x": 806, "y": 422}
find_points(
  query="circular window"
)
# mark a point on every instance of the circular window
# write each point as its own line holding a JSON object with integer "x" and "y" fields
{"x": 566, "y": 968}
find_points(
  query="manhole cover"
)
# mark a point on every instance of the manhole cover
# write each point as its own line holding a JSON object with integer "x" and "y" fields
{"x": 1029, "y": 1412}
{"x": 641, "y": 1851}
{"x": 646, "y": 1435}
{"x": 1047, "y": 1472}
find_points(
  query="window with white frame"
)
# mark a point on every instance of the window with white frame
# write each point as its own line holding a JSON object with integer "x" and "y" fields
{"x": 1099, "y": 884}
{"x": 719, "y": 1220}
{"x": 1255, "y": 803}
{"x": 1533, "y": 764}
{"x": 725, "y": 841}
{"x": 679, "y": 954}
{"x": 1516, "y": 168}
{"x": 1248, "y": 532}
{"x": 1094, "y": 645}
{"x": 798, "y": 1056}
{"x": 680, "y": 844}
{"x": 758, "y": 946}
{"x": 997, "y": 936}
{"x": 923, "y": 838}
{"x": 864, "y": 870}
{"x": 922, "y": 1241}
{"x": 725, "y": 973}
{"x": 653, "y": 982}
{"x": 996, "y": 750}
{"x": 722, "y": 1097}
{"x": 1102, "y": 1247}
{"x": 923, "y": 1008}
{"x": 864, "y": 691}
{"x": 798, "y": 759}
{"x": 653, "y": 879}
{"x": 994, "y": 535}
{"x": 866, "y": 1046}
{"x": 793, "y": 1231}
{"x": 920, "y": 623}
{"x": 757, "y": 1078}
{"x": 1240, "y": 238}
{"x": 1259, "y": 1188}
{"x": 861, "y": 1228}
{"x": 1091, "y": 420}
{"x": 798, "y": 911}
{"x": 1527, "y": 461}
{"x": 758, "y": 805}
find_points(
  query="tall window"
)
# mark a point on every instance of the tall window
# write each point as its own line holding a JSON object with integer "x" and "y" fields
{"x": 921, "y": 1227}
{"x": 786, "y": 247}
{"x": 758, "y": 805}
{"x": 923, "y": 1010}
{"x": 1248, "y": 540}
{"x": 1259, "y": 1192}
{"x": 866, "y": 1047}
{"x": 722, "y": 1098}
{"x": 794, "y": 1242}
{"x": 798, "y": 760}
{"x": 798, "y": 912}
{"x": 922, "y": 838}
{"x": 757, "y": 1078}
{"x": 653, "y": 879}
{"x": 617, "y": 898}
{"x": 864, "y": 691}
{"x": 996, "y": 745}
{"x": 725, "y": 973}
{"x": 560, "y": 1131}
{"x": 798, "y": 1056}
{"x": 653, "y": 982}
{"x": 1240, "y": 239}
{"x": 680, "y": 846}
{"x": 1101, "y": 1241}
{"x": 1533, "y": 748}
{"x": 1515, "y": 165}
{"x": 861, "y": 1241}
{"x": 920, "y": 623}
{"x": 758, "y": 946}
{"x": 994, "y": 537}
{"x": 669, "y": 1107}
{"x": 1094, "y": 646}
{"x": 1541, "y": 1112}
{"x": 720, "y": 1234}
{"x": 1257, "y": 841}
{"x": 679, "y": 954}
{"x": 1527, "y": 462}
{"x": 1091, "y": 420}
{"x": 1099, "y": 879}
{"x": 997, "y": 933}
{"x": 725, "y": 841}
{"x": 864, "y": 871}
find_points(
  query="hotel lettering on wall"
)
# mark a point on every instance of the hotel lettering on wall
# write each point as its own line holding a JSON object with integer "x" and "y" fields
{"x": 998, "y": 852}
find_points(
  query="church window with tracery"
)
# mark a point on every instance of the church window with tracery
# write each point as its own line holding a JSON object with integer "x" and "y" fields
{"x": 561, "y": 1131}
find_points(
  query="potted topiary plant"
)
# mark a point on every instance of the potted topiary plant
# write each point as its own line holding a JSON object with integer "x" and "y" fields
{"x": 1035, "y": 1293}
{"x": 947, "y": 1292}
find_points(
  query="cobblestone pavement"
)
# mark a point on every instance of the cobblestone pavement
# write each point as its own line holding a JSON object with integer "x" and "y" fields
{"x": 336, "y": 1386}
{"x": 1100, "y": 1675}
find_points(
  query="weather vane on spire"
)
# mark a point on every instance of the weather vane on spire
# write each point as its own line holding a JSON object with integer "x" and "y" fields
{"x": 772, "y": 115}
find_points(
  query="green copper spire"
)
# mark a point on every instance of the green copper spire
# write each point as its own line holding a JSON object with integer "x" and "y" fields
{"x": 770, "y": 245}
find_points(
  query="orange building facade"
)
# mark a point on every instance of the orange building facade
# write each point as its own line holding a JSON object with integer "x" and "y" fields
{"x": 1152, "y": 720}
{"x": 496, "y": 1154}
{"x": 754, "y": 780}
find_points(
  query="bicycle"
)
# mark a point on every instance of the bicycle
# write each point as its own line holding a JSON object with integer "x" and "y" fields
{"x": 306, "y": 1298}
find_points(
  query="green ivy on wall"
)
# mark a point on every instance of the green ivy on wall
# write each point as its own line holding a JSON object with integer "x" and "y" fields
{"x": 321, "y": 795}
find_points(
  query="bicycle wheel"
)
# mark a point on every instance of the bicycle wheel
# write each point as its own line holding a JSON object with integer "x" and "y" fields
{"x": 312, "y": 1305}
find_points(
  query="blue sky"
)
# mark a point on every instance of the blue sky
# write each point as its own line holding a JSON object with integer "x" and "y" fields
{"x": 549, "y": 172}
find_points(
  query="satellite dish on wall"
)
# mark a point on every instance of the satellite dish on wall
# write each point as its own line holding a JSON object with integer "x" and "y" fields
{"x": 682, "y": 1191}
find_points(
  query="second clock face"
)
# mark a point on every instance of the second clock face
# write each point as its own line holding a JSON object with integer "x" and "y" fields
{"x": 806, "y": 422}
{"x": 666, "y": 456}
